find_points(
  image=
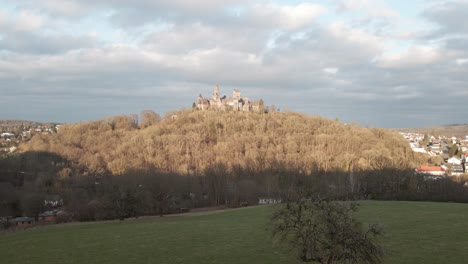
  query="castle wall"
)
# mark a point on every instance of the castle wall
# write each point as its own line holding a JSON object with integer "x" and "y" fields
{"x": 235, "y": 103}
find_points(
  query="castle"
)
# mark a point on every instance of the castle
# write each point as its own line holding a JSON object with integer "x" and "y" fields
{"x": 235, "y": 103}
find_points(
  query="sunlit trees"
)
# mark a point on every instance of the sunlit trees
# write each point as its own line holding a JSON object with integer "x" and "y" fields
{"x": 190, "y": 143}
{"x": 261, "y": 106}
{"x": 222, "y": 149}
{"x": 148, "y": 118}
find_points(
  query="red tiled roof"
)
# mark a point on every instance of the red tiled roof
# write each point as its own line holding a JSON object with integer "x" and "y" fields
{"x": 429, "y": 168}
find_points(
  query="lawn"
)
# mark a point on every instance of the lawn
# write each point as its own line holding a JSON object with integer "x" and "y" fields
{"x": 416, "y": 232}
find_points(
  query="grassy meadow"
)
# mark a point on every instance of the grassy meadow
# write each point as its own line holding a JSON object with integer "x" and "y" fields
{"x": 416, "y": 232}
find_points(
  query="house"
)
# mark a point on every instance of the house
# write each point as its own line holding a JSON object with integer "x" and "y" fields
{"x": 53, "y": 201}
{"x": 24, "y": 221}
{"x": 269, "y": 200}
{"x": 457, "y": 170}
{"x": 431, "y": 171}
{"x": 419, "y": 150}
{"x": 7, "y": 135}
{"x": 454, "y": 160}
{"x": 48, "y": 216}
{"x": 435, "y": 144}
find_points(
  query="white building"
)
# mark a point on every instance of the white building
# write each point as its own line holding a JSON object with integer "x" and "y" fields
{"x": 7, "y": 135}
{"x": 269, "y": 200}
{"x": 454, "y": 160}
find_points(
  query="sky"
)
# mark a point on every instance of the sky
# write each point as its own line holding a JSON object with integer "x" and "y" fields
{"x": 378, "y": 63}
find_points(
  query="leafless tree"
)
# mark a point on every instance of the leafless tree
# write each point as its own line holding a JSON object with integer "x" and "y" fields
{"x": 148, "y": 118}
{"x": 326, "y": 232}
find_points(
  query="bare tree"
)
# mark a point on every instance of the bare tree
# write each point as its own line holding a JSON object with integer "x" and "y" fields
{"x": 324, "y": 231}
{"x": 148, "y": 118}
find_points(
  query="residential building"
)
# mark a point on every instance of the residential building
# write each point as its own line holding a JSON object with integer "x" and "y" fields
{"x": 269, "y": 200}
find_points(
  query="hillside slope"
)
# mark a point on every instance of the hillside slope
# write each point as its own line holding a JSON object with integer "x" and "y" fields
{"x": 118, "y": 167}
{"x": 189, "y": 142}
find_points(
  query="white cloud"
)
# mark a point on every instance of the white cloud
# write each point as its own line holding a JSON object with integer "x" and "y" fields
{"x": 331, "y": 70}
{"x": 414, "y": 56}
{"x": 24, "y": 21}
{"x": 285, "y": 17}
{"x": 461, "y": 61}
{"x": 197, "y": 36}
{"x": 357, "y": 36}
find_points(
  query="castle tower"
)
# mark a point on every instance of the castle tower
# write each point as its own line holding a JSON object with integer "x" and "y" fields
{"x": 236, "y": 95}
{"x": 201, "y": 103}
{"x": 216, "y": 93}
{"x": 236, "y": 103}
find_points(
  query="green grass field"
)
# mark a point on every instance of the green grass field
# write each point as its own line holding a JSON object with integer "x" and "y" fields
{"x": 416, "y": 232}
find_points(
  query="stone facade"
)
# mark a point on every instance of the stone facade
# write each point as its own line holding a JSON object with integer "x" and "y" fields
{"x": 234, "y": 103}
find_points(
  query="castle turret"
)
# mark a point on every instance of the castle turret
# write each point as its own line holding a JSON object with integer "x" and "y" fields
{"x": 236, "y": 100}
{"x": 236, "y": 95}
{"x": 216, "y": 96}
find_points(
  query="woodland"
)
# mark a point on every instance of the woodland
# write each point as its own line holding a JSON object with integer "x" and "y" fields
{"x": 130, "y": 165}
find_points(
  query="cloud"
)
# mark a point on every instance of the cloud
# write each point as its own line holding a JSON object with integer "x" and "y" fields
{"x": 62, "y": 8}
{"x": 372, "y": 8}
{"x": 356, "y": 60}
{"x": 289, "y": 18}
{"x": 184, "y": 39}
{"x": 331, "y": 70}
{"x": 24, "y": 21}
{"x": 415, "y": 56}
{"x": 40, "y": 43}
{"x": 28, "y": 21}
{"x": 448, "y": 16}
{"x": 30, "y": 32}
{"x": 462, "y": 61}
{"x": 137, "y": 13}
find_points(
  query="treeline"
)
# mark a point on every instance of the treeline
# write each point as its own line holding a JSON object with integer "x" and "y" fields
{"x": 32, "y": 176}
{"x": 146, "y": 165}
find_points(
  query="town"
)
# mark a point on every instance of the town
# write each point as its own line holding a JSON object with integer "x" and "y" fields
{"x": 15, "y": 132}
{"x": 446, "y": 156}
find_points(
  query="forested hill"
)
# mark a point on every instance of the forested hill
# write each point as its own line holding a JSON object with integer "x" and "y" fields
{"x": 189, "y": 142}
